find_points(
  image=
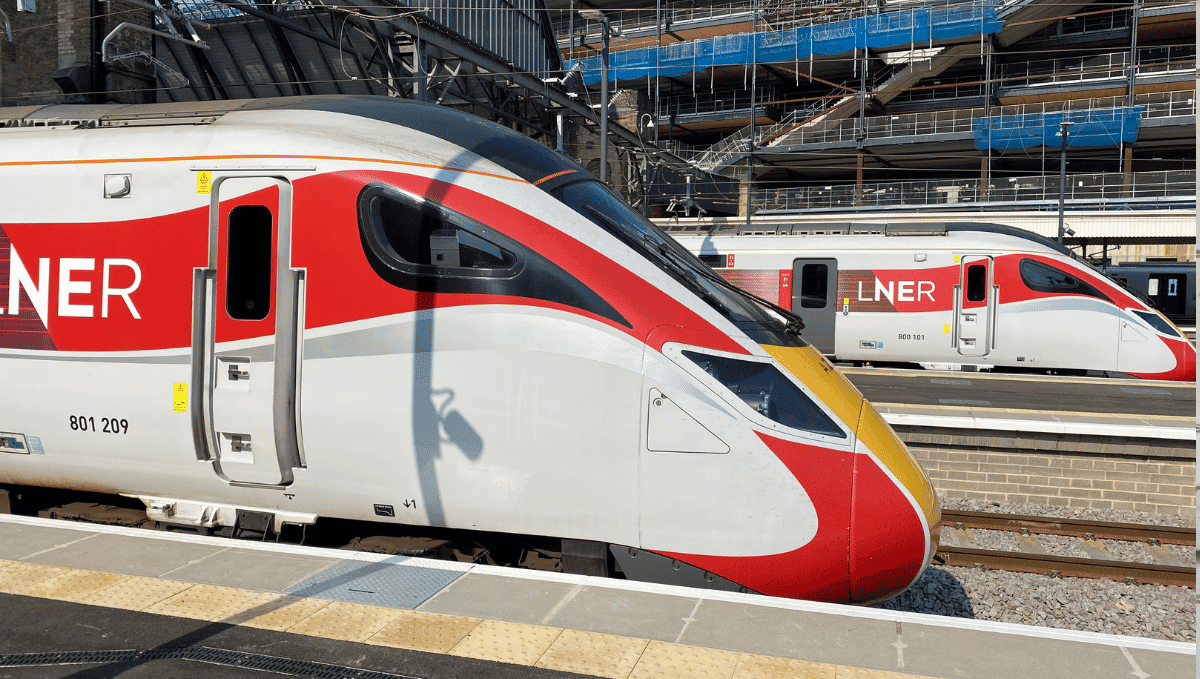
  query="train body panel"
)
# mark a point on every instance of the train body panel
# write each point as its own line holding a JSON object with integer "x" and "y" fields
{"x": 1171, "y": 286}
{"x": 964, "y": 297}
{"x": 377, "y": 310}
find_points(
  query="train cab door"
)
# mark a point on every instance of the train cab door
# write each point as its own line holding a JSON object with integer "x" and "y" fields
{"x": 246, "y": 336}
{"x": 814, "y": 298}
{"x": 974, "y": 305}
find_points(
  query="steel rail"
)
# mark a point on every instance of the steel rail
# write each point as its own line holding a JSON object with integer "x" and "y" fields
{"x": 1098, "y": 530}
{"x": 1067, "y": 566}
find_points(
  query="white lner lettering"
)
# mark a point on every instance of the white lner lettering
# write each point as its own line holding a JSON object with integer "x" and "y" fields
{"x": 67, "y": 287}
{"x": 922, "y": 290}
{"x": 72, "y": 293}
{"x": 905, "y": 291}
{"x": 18, "y": 277}
{"x": 123, "y": 293}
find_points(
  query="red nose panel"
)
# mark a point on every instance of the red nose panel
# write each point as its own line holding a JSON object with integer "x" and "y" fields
{"x": 817, "y": 570}
{"x": 1185, "y": 363}
{"x": 887, "y": 538}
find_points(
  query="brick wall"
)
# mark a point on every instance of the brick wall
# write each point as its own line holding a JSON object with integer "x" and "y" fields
{"x": 58, "y": 35}
{"x": 28, "y": 62}
{"x": 1079, "y": 480}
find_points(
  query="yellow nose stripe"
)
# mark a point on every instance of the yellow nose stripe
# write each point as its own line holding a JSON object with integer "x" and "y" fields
{"x": 825, "y": 382}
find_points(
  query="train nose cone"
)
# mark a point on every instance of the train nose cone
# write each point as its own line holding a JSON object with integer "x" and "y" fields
{"x": 894, "y": 514}
{"x": 1188, "y": 367}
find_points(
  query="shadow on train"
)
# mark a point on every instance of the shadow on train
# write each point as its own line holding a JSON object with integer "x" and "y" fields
{"x": 433, "y": 426}
{"x": 937, "y": 592}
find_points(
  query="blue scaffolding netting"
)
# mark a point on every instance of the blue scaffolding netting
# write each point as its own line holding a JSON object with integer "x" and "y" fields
{"x": 1096, "y": 127}
{"x": 914, "y": 27}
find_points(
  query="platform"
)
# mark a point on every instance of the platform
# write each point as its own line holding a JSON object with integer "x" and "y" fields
{"x": 1099, "y": 395}
{"x": 100, "y": 596}
{"x": 1086, "y": 406}
{"x": 1112, "y": 425}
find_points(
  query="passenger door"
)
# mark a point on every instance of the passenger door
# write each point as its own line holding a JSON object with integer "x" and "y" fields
{"x": 974, "y": 306}
{"x": 814, "y": 298}
{"x": 246, "y": 335}
{"x": 1169, "y": 293}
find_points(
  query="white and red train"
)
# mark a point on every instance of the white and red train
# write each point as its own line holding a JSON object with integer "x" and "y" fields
{"x": 368, "y": 308}
{"x": 979, "y": 296}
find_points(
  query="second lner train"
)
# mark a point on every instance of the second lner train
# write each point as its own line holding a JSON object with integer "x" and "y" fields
{"x": 375, "y": 309}
{"x": 960, "y": 295}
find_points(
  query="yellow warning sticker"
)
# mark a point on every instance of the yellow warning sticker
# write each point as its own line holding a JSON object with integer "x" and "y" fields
{"x": 181, "y": 397}
{"x": 204, "y": 181}
{"x": 946, "y": 329}
{"x": 957, "y": 258}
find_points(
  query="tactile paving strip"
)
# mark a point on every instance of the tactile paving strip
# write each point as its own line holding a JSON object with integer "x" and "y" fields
{"x": 345, "y": 621}
{"x": 16, "y": 576}
{"x": 592, "y": 653}
{"x": 205, "y": 602}
{"x": 761, "y": 667}
{"x": 508, "y": 642}
{"x": 135, "y": 593}
{"x": 662, "y": 660}
{"x": 429, "y": 632}
{"x": 74, "y": 585}
{"x": 376, "y": 584}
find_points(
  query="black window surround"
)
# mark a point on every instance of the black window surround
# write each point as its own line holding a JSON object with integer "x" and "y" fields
{"x": 397, "y": 227}
{"x": 500, "y": 264}
{"x": 1042, "y": 277}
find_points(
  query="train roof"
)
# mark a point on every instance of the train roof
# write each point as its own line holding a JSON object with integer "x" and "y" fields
{"x": 511, "y": 150}
{"x": 1154, "y": 267}
{"x": 834, "y": 229}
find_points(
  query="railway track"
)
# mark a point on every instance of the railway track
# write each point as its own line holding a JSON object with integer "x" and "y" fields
{"x": 958, "y": 548}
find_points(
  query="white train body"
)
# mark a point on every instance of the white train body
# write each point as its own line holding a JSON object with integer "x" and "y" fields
{"x": 373, "y": 309}
{"x": 976, "y": 295}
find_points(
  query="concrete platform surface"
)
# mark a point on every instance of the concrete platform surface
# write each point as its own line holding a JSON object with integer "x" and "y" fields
{"x": 1070, "y": 395}
{"x": 1114, "y": 425}
{"x": 185, "y": 605}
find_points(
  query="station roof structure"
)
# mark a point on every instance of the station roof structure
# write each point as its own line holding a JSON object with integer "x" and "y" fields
{"x": 974, "y": 92}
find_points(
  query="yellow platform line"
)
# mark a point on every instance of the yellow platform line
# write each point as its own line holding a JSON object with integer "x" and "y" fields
{"x": 554, "y": 648}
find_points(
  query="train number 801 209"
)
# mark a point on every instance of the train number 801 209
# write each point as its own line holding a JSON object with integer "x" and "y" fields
{"x": 108, "y": 425}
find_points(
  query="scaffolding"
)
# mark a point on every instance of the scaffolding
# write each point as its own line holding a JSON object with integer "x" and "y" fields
{"x": 910, "y": 27}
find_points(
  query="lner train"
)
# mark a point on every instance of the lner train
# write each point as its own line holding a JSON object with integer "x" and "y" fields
{"x": 372, "y": 309}
{"x": 959, "y": 295}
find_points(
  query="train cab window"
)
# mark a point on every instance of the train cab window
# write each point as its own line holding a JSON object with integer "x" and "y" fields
{"x": 768, "y": 392}
{"x": 250, "y": 260}
{"x": 1154, "y": 320}
{"x": 1045, "y": 278}
{"x": 420, "y": 237}
{"x": 814, "y": 286}
{"x": 976, "y": 283}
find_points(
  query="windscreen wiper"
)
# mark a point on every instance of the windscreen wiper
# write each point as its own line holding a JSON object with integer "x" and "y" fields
{"x": 793, "y": 324}
{"x": 680, "y": 272}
